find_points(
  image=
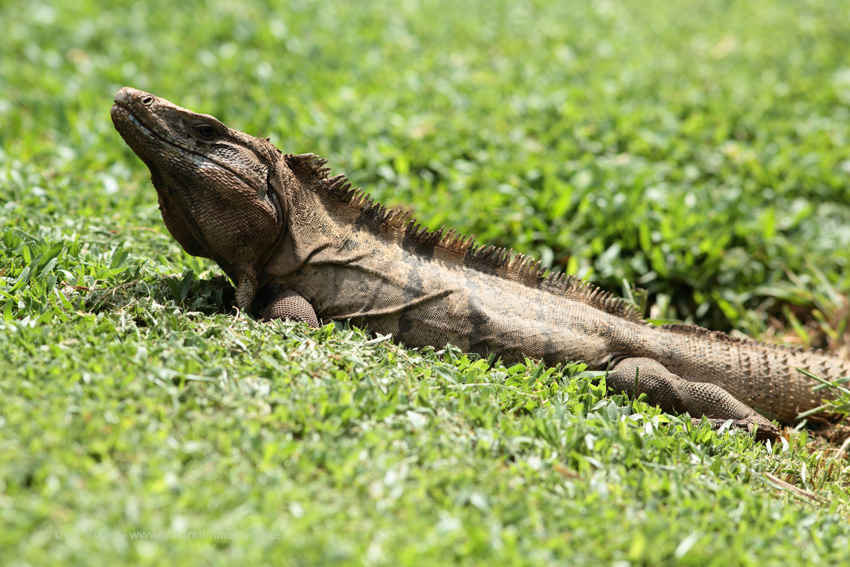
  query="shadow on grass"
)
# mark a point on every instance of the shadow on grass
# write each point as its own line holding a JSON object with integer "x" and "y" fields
{"x": 210, "y": 296}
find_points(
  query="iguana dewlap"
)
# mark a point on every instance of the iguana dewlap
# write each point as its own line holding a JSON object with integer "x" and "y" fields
{"x": 302, "y": 245}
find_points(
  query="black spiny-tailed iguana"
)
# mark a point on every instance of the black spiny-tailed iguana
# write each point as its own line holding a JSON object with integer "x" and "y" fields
{"x": 302, "y": 245}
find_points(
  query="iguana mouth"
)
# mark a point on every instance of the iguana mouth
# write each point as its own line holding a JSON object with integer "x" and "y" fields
{"x": 123, "y": 111}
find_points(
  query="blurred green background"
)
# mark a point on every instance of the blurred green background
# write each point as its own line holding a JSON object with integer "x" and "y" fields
{"x": 696, "y": 149}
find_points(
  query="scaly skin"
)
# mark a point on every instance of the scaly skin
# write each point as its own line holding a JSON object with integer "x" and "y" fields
{"x": 305, "y": 246}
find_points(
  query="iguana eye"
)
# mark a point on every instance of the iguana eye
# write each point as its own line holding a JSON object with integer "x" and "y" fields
{"x": 205, "y": 131}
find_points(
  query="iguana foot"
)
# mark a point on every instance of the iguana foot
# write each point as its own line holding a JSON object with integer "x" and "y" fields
{"x": 765, "y": 431}
{"x": 635, "y": 376}
{"x": 279, "y": 303}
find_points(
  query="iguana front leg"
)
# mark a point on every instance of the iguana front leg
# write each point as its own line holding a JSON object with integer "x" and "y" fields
{"x": 279, "y": 303}
{"x": 673, "y": 393}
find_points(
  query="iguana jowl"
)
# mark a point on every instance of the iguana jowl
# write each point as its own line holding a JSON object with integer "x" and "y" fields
{"x": 302, "y": 245}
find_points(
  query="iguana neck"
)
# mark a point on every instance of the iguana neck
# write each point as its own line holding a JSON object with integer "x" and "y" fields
{"x": 319, "y": 218}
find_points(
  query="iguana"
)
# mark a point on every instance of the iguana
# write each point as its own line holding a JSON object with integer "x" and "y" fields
{"x": 300, "y": 244}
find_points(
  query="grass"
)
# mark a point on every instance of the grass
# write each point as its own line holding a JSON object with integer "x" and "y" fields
{"x": 695, "y": 149}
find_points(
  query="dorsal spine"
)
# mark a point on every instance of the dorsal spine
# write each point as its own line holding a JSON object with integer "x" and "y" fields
{"x": 518, "y": 267}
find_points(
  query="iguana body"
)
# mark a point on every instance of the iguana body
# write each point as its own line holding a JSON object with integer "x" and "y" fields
{"x": 302, "y": 245}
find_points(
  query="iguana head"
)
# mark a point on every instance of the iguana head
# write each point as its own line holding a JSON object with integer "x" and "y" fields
{"x": 216, "y": 186}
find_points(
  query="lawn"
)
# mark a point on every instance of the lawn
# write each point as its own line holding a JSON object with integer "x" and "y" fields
{"x": 694, "y": 149}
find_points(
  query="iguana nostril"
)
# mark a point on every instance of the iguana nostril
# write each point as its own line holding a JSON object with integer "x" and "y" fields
{"x": 147, "y": 100}
{"x": 121, "y": 96}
